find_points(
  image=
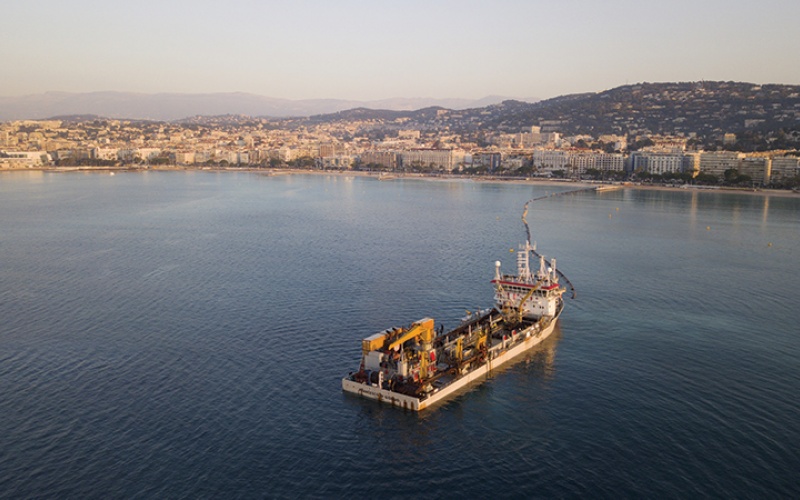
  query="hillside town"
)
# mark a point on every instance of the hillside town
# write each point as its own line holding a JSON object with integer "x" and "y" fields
{"x": 242, "y": 142}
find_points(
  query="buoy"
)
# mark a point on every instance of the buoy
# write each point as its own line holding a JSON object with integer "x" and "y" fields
{"x": 511, "y": 250}
{"x": 617, "y": 209}
{"x": 769, "y": 244}
{"x": 708, "y": 228}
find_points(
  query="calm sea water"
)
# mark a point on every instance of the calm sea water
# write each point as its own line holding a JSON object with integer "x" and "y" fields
{"x": 184, "y": 335}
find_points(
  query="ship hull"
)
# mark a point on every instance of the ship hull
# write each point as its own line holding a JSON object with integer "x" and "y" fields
{"x": 528, "y": 338}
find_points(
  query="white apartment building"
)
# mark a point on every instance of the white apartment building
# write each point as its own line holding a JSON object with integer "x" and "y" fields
{"x": 149, "y": 153}
{"x": 183, "y": 157}
{"x": 446, "y": 159}
{"x": 757, "y": 167}
{"x": 386, "y": 159}
{"x": 784, "y": 168}
{"x": 657, "y": 163}
{"x": 581, "y": 161}
{"x": 138, "y": 153}
{"x": 610, "y": 162}
{"x": 549, "y": 160}
{"x": 339, "y": 162}
{"x": 24, "y": 159}
{"x": 108, "y": 154}
{"x": 717, "y": 162}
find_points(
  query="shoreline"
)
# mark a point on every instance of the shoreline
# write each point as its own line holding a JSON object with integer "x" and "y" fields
{"x": 401, "y": 176}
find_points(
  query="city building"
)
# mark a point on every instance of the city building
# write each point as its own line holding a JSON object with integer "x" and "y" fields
{"x": 717, "y": 162}
{"x": 338, "y": 162}
{"x": 658, "y": 163}
{"x": 758, "y": 168}
{"x": 549, "y": 160}
{"x": 444, "y": 159}
{"x": 105, "y": 154}
{"x": 385, "y": 159}
{"x": 24, "y": 159}
{"x": 784, "y": 168}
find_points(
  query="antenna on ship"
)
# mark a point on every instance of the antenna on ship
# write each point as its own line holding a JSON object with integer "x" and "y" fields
{"x": 532, "y": 248}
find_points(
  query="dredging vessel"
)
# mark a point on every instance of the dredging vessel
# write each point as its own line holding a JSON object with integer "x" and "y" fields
{"x": 419, "y": 365}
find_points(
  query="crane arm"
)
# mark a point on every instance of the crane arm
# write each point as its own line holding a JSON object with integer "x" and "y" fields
{"x": 423, "y": 328}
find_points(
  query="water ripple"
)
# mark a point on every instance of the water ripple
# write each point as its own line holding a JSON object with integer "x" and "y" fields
{"x": 185, "y": 336}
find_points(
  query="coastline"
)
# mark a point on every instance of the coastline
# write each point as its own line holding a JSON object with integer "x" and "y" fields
{"x": 400, "y": 176}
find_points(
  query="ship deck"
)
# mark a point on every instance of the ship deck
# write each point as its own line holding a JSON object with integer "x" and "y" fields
{"x": 506, "y": 343}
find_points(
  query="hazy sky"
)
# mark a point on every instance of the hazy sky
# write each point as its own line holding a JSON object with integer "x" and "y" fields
{"x": 377, "y": 49}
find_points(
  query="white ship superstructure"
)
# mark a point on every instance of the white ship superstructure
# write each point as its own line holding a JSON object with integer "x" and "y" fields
{"x": 532, "y": 295}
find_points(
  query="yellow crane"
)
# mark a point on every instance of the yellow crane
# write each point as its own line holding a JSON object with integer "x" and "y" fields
{"x": 513, "y": 313}
{"x": 422, "y": 329}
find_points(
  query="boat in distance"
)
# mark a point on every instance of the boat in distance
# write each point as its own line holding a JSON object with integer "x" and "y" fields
{"x": 417, "y": 366}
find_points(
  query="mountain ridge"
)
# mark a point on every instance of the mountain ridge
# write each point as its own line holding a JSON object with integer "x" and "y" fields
{"x": 762, "y": 116}
{"x": 166, "y": 106}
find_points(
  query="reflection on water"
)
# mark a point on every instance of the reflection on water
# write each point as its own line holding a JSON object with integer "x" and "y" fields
{"x": 542, "y": 358}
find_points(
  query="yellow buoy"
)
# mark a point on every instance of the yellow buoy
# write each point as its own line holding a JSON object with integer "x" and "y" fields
{"x": 617, "y": 209}
{"x": 708, "y": 228}
{"x": 769, "y": 244}
{"x": 511, "y": 250}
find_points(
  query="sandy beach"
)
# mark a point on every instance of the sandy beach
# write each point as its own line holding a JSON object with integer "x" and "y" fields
{"x": 400, "y": 176}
